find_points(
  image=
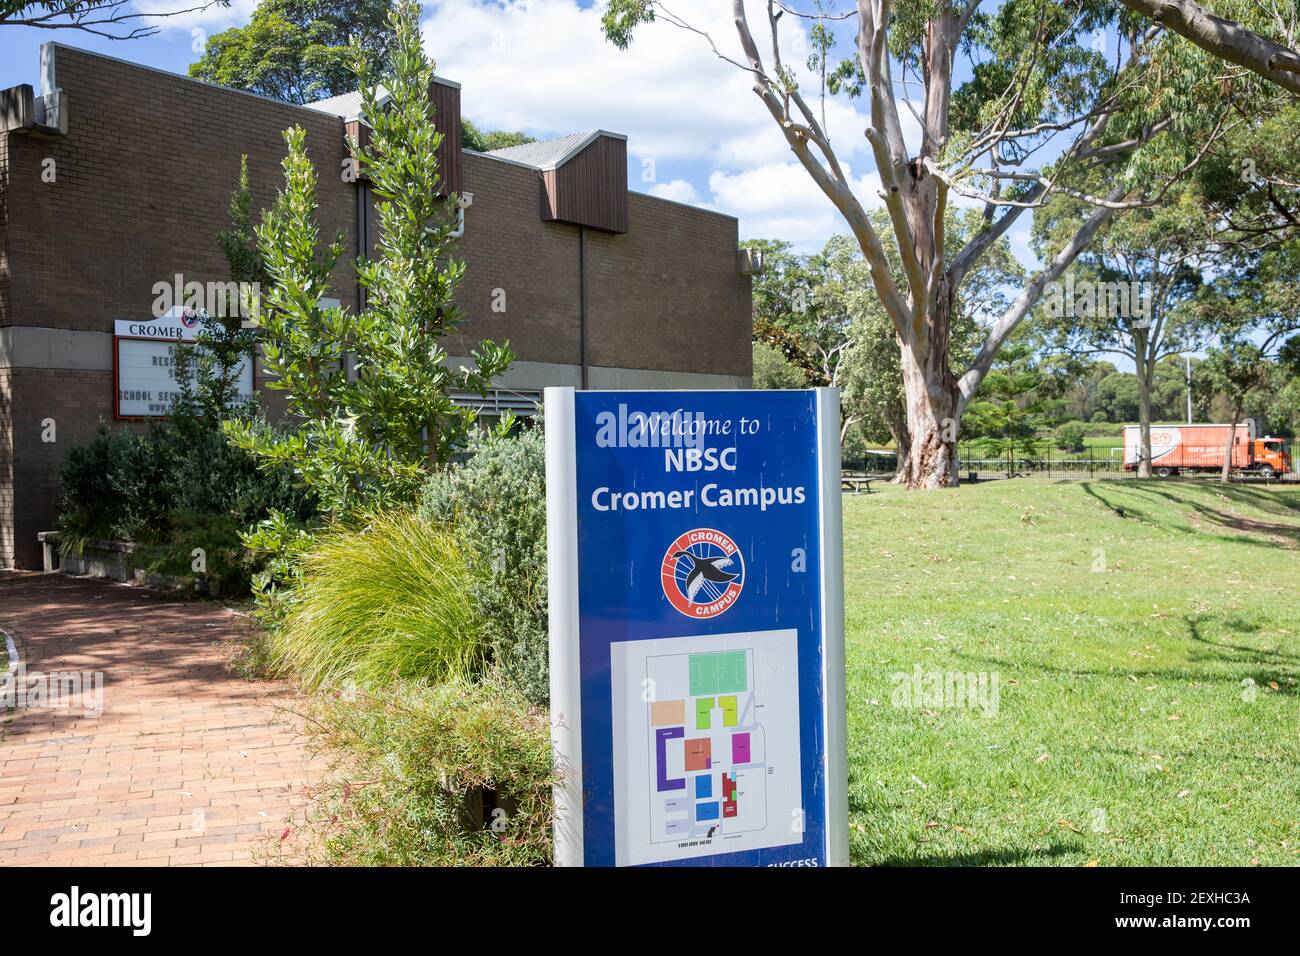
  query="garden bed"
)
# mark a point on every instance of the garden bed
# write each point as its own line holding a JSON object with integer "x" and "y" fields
{"x": 111, "y": 560}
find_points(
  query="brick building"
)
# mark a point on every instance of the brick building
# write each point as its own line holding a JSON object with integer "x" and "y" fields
{"x": 116, "y": 176}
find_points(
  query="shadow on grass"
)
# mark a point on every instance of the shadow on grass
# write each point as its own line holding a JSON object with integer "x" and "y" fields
{"x": 1007, "y": 856}
{"x": 1243, "y": 654}
{"x": 1269, "y": 534}
{"x": 1258, "y": 663}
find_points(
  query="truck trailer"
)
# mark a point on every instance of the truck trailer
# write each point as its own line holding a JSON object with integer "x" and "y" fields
{"x": 1188, "y": 449}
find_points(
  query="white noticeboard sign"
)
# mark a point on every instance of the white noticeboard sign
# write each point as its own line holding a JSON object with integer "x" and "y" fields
{"x": 144, "y": 363}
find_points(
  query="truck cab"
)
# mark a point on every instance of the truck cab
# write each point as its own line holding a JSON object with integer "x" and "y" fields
{"x": 1271, "y": 457}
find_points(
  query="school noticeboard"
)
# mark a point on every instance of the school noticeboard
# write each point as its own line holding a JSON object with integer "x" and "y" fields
{"x": 144, "y": 365}
{"x": 696, "y": 627}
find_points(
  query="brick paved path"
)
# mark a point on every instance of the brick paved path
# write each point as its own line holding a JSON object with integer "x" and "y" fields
{"x": 187, "y": 764}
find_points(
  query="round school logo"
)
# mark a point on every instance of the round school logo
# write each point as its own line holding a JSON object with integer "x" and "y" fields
{"x": 703, "y": 573}
{"x": 190, "y": 318}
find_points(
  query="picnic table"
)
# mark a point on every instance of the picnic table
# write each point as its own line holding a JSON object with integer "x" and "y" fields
{"x": 855, "y": 483}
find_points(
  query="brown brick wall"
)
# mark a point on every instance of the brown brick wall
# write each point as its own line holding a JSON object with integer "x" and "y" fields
{"x": 4, "y": 230}
{"x": 668, "y": 292}
{"x": 144, "y": 178}
{"x": 507, "y": 246}
{"x": 75, "y": 401}
{"x": 6, "y": 470}
{"x": 665, "y": 295}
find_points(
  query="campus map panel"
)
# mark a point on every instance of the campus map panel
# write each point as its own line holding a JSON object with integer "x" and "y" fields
{"x": 706, "y": 745}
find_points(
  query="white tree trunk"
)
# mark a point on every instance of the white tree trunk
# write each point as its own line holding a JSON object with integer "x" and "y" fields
{"x": 1143, "y": 369}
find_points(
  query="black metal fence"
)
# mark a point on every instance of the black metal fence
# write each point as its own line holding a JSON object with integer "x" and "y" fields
{"x": 1101, "y": 458}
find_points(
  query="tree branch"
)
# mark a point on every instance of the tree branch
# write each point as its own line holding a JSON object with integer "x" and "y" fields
{"x": 1225, "y": 39}
{"x": 1018, "y": 309}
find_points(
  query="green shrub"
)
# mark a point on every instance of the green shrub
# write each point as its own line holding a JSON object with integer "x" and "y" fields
{"x": 413, "y": 765}
{"x": 385, "y": 601}
{"x": 773, "y": 370}
{"x": 497, "y": 502}
{"x": 172, "y": 489}
{"x": 278, "y": 541}
{"x": 114, "y": 486}
{"x": 1070, "y": 435}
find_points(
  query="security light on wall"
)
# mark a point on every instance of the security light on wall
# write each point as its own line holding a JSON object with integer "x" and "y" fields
{"x": 750, "y": 261}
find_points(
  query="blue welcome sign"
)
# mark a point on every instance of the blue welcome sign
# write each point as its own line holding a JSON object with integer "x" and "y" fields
{"x": 696, "y": 627}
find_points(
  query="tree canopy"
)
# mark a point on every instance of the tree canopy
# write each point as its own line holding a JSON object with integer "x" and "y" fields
{"x": 298, "y": 50}
{"x": 1017, "y": 104}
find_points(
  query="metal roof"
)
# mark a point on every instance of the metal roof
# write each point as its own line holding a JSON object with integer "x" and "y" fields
{"x": 348, "y": 105}
{"x": 552, "y": 153}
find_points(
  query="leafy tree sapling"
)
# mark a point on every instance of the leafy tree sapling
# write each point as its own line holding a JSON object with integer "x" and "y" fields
{"x": 372, "y": 389}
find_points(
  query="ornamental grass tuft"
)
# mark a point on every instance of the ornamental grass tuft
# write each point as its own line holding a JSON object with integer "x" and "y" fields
{"x": 386, "y": 601}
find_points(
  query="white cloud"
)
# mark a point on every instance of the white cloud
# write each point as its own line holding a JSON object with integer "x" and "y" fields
{"x": 679, "y": 190}
{"x": 544, "y": 66}
{"x": 781, "y": 201}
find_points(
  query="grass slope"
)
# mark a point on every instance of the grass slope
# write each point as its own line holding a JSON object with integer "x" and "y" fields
{"x": 1147, "y": 643}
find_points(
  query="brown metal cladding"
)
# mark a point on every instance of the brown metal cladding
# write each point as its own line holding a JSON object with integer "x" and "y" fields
{"x": 446, "y": 116}
{"x": 591, "y": 188}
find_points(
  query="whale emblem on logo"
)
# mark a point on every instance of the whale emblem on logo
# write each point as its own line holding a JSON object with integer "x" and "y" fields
{"x": 703, "y": 573}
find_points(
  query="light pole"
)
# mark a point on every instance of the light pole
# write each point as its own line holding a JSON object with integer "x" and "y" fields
{"x": 1189, "y": 388}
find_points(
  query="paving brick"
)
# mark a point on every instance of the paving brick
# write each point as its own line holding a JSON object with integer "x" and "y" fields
{"x": 109, "y": 798}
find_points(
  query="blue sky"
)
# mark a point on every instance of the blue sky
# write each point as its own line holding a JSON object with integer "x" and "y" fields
{"x": 696, "y": 133}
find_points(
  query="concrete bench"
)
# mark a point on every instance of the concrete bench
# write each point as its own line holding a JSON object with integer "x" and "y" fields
{"x": 49, "y": 550}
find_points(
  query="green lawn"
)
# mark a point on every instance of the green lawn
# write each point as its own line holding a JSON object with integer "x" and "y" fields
{"x": 1146, "y": 640}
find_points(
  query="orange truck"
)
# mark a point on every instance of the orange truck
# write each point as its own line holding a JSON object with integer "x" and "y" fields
{"x": 1179, "y": 449}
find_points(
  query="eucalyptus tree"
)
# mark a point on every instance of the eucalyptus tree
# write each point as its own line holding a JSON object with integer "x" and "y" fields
{"x": 1047, "y": 92}
{"x": 1131, "y": 292}
{"x": 1270, "y": 52}
{"x": 1249, "y": 182}
{"x": 874, "y": 395}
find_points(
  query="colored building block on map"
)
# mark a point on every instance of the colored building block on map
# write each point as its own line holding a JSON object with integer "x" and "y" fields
{"x": 740, "y": 748}
{"x": 719, "y": 673}
{"x": 728, "y": 705}
{"x": 703, "y": 786}
{"x": 706, "y": 811}
{"x": 698, "y": 754}
{"x": 728, "y": 787}
{"x": 662, "y": 780}
{"x": 704, "y": 713}
{"x": 665, "y": 712}
{"x": 728, "y": 808}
